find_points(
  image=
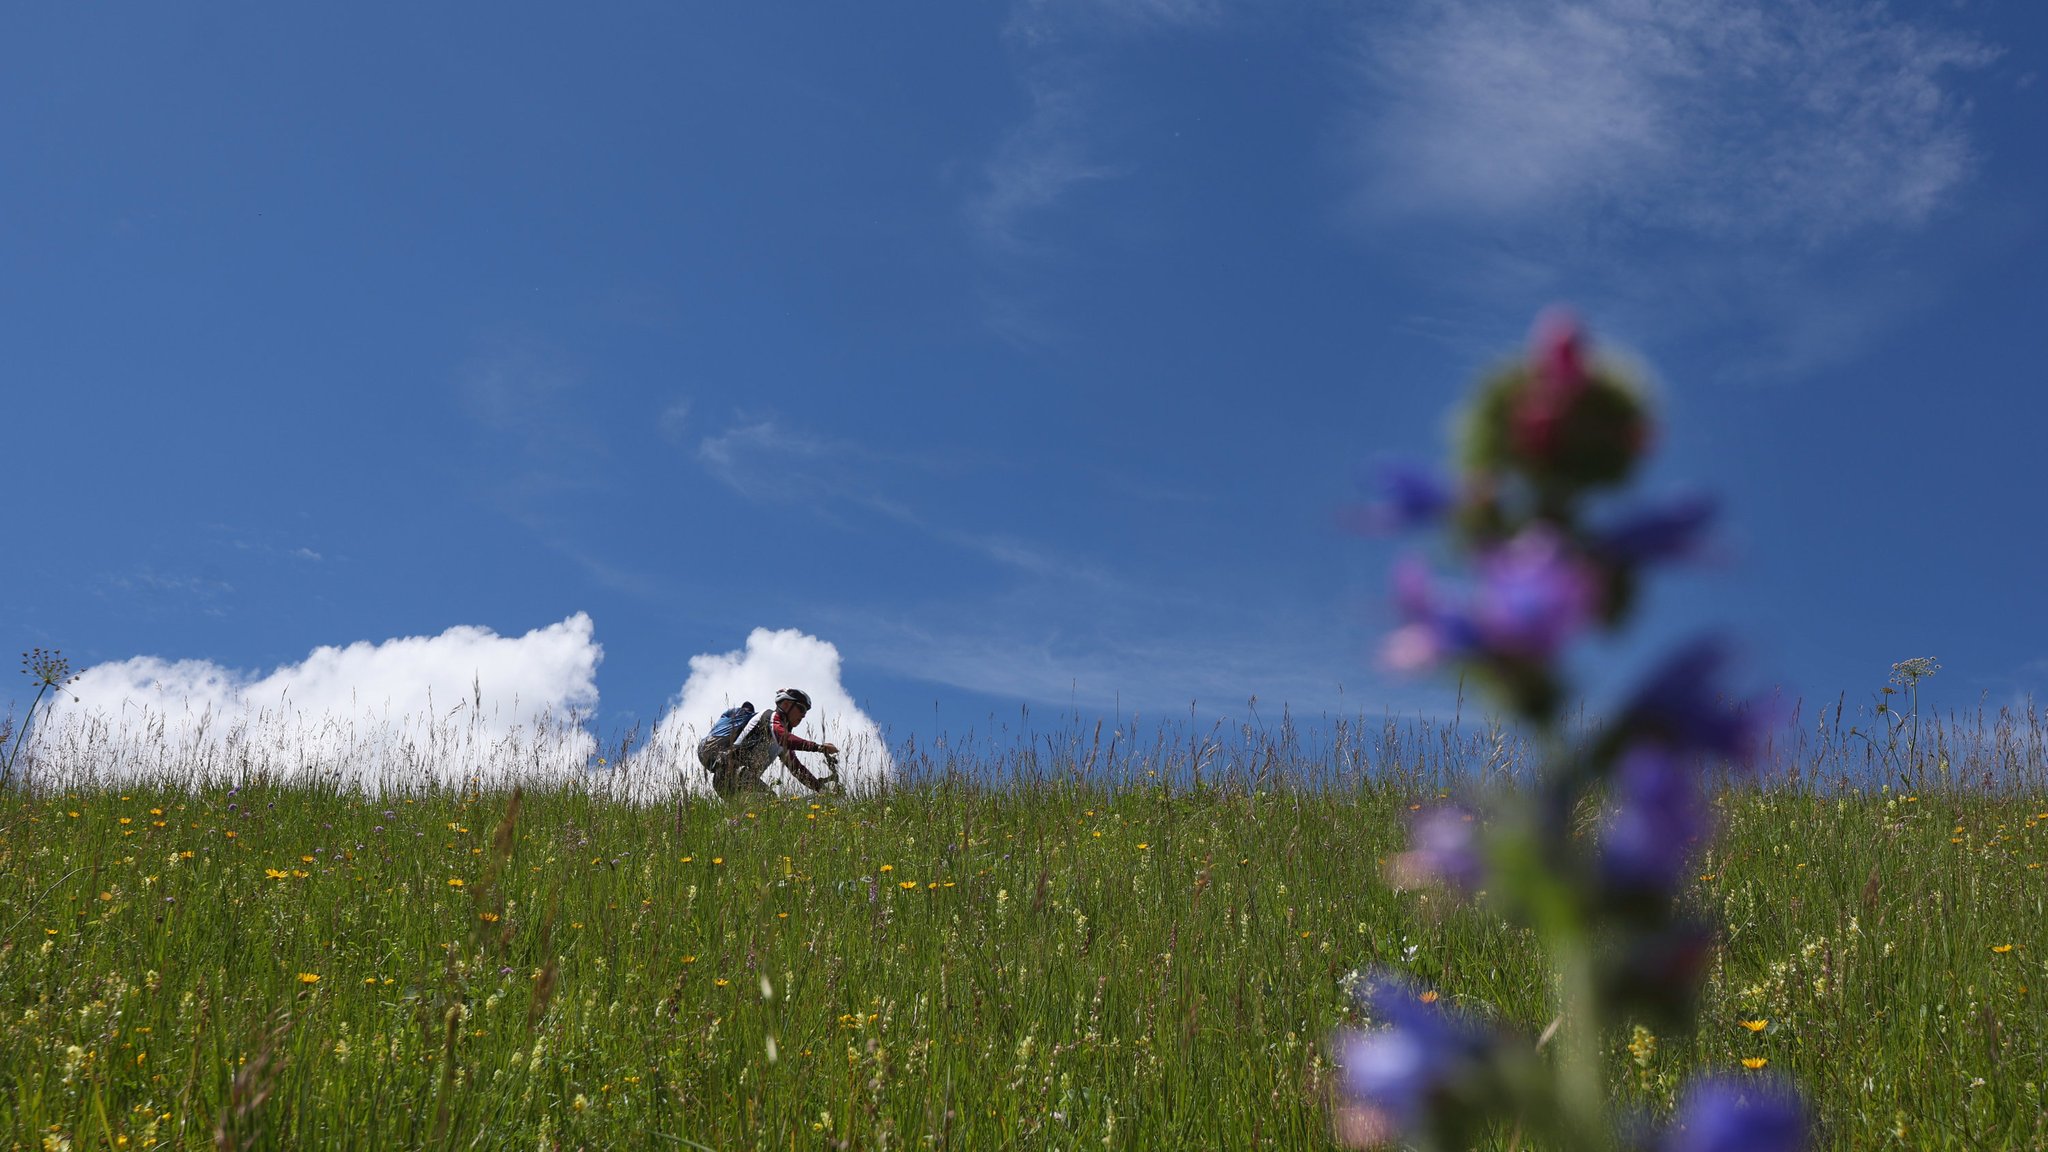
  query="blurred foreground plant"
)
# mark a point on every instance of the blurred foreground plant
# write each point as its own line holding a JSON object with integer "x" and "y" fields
{"x": 49, "y": 669}
{"x": 1550, "y": 559}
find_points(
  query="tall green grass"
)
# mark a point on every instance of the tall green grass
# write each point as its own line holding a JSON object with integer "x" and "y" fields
{"x": 950, "y": 964}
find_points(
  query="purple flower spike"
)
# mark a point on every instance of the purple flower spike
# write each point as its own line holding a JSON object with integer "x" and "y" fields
{"x": 1672, "y": 532}
{"x": 1658, "y": 818}
{"x": 1723, "y": 1114}
{"x": 1534, "y": 596}
{"x": 1443, "y": 849}
{"x": 1684, "y": 705}
{"x": 1423, "y": 1054}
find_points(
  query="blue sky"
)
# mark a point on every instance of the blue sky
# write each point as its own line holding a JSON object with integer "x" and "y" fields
{"x": 1023, "y": 352}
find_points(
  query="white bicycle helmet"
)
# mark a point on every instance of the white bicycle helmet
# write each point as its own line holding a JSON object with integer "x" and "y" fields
{"x": 795, "y": 696}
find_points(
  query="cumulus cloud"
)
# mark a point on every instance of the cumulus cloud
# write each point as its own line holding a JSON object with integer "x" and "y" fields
{"x": 465, "y": 705}
{"x": 770, "y": 661}
{"x": 1746, "y": 118}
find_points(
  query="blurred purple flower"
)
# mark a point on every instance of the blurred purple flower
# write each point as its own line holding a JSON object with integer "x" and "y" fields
{"x": 1408, "y": 496}
{"x": 1422, "y": 1054}
{"x": 1443, "y": 849}
{"x": 1658, "y": 818}
{"x": 1647, "y": 535}
{"x": 1684, "y": 704}
{"x": 1434, "y": 629}
{"x": 1534, "y": 596}
{"x": 1724, "y": 1114}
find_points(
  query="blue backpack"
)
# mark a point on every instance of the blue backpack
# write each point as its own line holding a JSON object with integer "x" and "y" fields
{"x": 730, "y": 722}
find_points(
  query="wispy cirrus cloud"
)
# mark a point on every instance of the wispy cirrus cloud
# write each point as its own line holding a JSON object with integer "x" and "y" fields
{"x": 527, "y": 398}
{"x": 1042, "y": 160}
{"x": 847, "y": 482}
{"x": 1061, "y": 48}
{"x": 1044, "y": 22}
{"x": 1733, "y": 118}
{"x": 1110, "y": 652}
{"x": 1066, "y": 141}
{"x": 1750, "y": 169}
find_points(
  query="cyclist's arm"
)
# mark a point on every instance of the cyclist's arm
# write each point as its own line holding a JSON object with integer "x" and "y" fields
{"x": 797, "y": 769}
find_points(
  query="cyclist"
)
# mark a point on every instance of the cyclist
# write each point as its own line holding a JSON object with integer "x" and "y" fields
{"x": 736, "y": 767}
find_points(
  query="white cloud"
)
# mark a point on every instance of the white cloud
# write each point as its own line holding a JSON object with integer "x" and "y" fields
{"x": 1045, "y": 21}
{"x": 1732, "y": 118}
{"x": 467, "y": 704}
{"x": 1040, "y": 161}
{"x": 674, "y": 421}
{"x": 771, "y": 660}
{"x": 1060, "y": 145}
{"x": 754, "y": 461}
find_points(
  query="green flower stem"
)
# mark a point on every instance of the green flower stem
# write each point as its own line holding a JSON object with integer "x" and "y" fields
{"x": 7, "y": 770}
{"x": 1582, "y": 1082}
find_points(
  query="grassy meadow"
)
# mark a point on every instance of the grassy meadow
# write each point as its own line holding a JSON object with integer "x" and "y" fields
{"x": 1109, "y": 961}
